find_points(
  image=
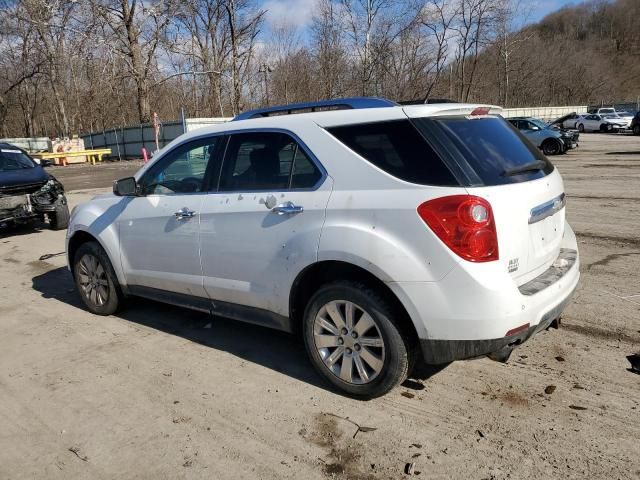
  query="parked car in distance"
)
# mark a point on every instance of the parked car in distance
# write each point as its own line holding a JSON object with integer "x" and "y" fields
{"x": 635, "y": 124}
{"x": 602, "y": 111}
{"x": 546, "y": 139}
{"x": 28, "y": 192}
{"x": 568, "y": 121}
{"x": 601, "y": 123}
{"x": 612, "y": 111}
{"x": 383, "y": 234}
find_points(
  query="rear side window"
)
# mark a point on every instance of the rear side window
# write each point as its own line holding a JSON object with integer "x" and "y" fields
{"x": 266, "y": 161}
{"x": 397, "y": 148}
{"x": 489, "y": 147}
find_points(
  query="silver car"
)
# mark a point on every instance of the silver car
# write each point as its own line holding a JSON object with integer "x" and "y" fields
{"x": 540, "y": 134}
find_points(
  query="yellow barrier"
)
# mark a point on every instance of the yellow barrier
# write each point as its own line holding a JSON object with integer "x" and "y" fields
{"x": 93, "y": 156}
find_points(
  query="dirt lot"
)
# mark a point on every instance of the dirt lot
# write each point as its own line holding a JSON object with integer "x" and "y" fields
{"x": 158, "y": 392}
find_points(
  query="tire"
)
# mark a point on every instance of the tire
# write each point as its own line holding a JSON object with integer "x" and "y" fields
{"x": 96, "y": 280}
{"x": 551, "y": 146}
{"x": 59, "y": 220}
{"x": 385, "y": 361}
{"x": 636, "y": 129}
{"x": 604, "y": 128}
{"x": 581, "y": 128}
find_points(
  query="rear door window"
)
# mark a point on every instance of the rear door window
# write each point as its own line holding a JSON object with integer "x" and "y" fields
{"x": 266, "y": 161}
{"x": 397, "y": 148}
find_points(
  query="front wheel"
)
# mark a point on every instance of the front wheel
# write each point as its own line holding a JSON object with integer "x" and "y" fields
{"x": 551, "y": 147}
{"x": 581, "y": 128}
{"x": 354, "y": 341}
{"x": 59, "y": 219}
{"x": 96, "y": 280}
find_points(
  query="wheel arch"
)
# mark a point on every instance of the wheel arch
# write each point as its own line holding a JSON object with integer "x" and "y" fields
{"x": 80, "y": 237}
{"x": 310, "y": 279}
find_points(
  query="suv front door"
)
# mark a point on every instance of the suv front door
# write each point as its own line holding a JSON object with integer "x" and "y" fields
{"x": 159, "y": 229}
{"x": 263, "y": 224}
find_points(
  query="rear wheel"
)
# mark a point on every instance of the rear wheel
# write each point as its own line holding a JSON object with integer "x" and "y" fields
{"x": 96, "y": 280}
{"x": 551, "y": 146}
{"x": 354, "y": 341}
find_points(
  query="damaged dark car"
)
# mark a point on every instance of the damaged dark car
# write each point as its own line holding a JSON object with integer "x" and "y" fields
{"x": 28, "y": 192}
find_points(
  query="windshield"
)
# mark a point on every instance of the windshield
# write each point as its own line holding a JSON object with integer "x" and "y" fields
{"x": 14, "y": 159}
{"x": 538, "y": 123}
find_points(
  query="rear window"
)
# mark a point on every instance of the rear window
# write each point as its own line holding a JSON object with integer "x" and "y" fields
{"x": 397, "y": 148}
{"x": 488, "y": 146}
{"x": 447, "y": 151}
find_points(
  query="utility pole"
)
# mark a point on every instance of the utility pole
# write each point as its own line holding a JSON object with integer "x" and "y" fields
{"x": 265, "y": 69}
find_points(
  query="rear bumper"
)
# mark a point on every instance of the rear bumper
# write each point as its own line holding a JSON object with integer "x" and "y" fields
{"x": 471, "y": 311}
{"x": 437, "y": 352}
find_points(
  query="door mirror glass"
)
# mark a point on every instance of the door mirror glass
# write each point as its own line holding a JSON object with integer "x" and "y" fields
{"x": 125, "y": 187}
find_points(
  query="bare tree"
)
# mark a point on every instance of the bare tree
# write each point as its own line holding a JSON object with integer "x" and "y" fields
{"x": 207, "y": 44}
{"x": 137, "y": 29}
{"x": 329, "y": 49}
{"x": 437, "y": 18}
{"x": 244, "y": 26}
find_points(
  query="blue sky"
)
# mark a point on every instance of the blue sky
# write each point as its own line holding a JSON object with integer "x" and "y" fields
{"x": 540, "y": 8}
{"x": 298, "y": 12}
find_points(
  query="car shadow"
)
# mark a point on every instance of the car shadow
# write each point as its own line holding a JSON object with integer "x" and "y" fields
{"x": 278, "y": 351}
{"x": 15, "y": 230}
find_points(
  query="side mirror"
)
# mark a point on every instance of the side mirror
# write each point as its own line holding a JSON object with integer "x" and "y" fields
{"x": 535, "y": 128}
{"x": 125, "y": 187}
{"x": 45, "y": 163}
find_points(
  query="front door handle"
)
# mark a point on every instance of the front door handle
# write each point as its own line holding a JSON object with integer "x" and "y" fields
{"x": 184, "y": 213}
{"x": 287, "y": 208}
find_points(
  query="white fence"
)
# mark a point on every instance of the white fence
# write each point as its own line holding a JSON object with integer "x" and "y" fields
{"x": 37, "y": 144}
{"x": 545, "y": 113}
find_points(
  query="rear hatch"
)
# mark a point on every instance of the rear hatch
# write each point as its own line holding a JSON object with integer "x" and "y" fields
{"x": 494, "y": 161}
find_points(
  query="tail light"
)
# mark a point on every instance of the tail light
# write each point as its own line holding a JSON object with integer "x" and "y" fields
{"x": 465, "y": 224}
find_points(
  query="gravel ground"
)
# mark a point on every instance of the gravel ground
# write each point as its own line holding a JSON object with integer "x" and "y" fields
{"x": 159, "y": 392}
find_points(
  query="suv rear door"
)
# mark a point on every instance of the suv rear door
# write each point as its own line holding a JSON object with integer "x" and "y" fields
{"x": 263, "y": 224}
{"x": 527, "y": 205}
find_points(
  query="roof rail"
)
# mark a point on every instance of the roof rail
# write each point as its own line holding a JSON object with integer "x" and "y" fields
{"x": 322, "y": 105}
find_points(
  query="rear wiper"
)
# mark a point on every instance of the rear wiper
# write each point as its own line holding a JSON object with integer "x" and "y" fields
{"x": 527, "y": 167}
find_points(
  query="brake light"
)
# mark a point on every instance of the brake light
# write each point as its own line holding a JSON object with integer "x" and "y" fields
{"x": 465, "y": 224}
{"x": 478, "y": 111}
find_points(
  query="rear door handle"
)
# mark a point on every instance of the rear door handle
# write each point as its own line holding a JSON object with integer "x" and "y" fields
{"x": 287, "y": 208}
{"x": 184, "y": 213}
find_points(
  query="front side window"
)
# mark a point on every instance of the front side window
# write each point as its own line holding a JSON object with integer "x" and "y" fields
{"x": 183, "y": 169}
{"x": 266, "y": 161}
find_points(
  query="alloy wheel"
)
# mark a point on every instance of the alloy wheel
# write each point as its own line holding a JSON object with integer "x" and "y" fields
{"x": 349, "y": 342}
{"x": 93, "y": 280}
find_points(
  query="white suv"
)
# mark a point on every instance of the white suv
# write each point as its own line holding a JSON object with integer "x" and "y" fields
{"x": 384, "y": 234}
